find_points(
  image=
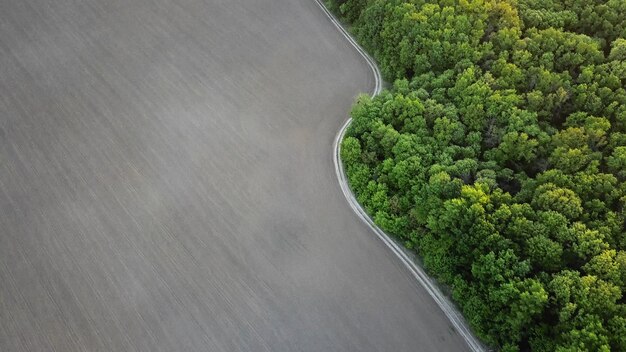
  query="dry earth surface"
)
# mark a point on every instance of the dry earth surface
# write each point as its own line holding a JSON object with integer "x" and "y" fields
{"x": 166, "y": 184}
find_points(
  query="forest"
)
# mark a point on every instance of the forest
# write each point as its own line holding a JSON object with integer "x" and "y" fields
{"x": 499, "y": 155}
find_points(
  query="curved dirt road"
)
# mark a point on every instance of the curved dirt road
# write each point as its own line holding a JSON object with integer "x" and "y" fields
{"x": 167, "y": 184}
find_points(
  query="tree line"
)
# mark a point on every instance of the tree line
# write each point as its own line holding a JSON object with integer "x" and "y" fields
{"x": 499, "y": 155}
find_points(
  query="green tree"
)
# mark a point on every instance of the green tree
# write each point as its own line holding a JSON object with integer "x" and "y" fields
{"x": 498, "y": 155}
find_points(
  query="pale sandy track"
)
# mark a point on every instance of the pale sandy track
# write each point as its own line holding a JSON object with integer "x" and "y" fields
{"x": 404, "y": 255}
{"x": 165, "y": 185}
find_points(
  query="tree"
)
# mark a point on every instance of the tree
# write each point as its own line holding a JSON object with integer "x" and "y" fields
{"x": 561, "y": 200}
{"x": 616, "y": 162}
{"x": 499, "y": 156}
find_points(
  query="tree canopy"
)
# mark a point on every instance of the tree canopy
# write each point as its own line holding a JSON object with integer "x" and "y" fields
{"x": 499, "y": 155}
